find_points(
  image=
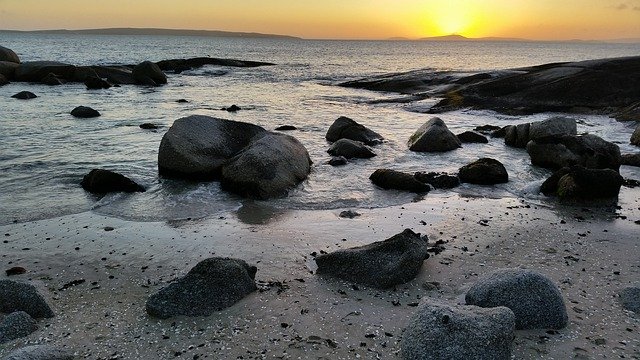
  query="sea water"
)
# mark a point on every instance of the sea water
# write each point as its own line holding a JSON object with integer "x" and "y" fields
{"x": 45, "y": 152}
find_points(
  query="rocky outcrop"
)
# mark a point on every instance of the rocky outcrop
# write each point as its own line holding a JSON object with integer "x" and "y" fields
{"x": 179, "y": 65}
{"x": 24, "y": 95}
{"x": 470, "y": 137}
{"x": 396, "y": 180}
{"x": 84, "y": 112}
{"x": 577, "y": 182}
{"x": 121, "y": 75}
{"x": 18, "y": 296}
{"x": 382, "y": 264}
{"x": 40, "y": 352}
{"x": 630, "y": 298}
{"x": 148, "y": 73}
{"x": 534, "y": 299}
{"x": 629, "y": 113}
{"x": 635, "y": 137}
{"x": 350, "y": 149}
{"x": 8, "y": 55}
{"x": 101, "y": 181}
{"x": 36, "y": 71}
{"x": 484, "y": 171}
{"x": 16, "y": 325}
{"x": 438, "y": 180}
{"x": 345, "y": 128}
{"x": 520, "y": 135}
{"x": 560, "y": 151}
{"x": 433, "y": 136}
{"x": 441, "y": 332}
{"x": 212, "y": 285}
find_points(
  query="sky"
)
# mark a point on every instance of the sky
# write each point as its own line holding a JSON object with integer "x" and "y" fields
{"x": 341, "y": 19}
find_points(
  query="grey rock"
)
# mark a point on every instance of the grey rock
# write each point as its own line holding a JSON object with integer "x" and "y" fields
{"x": 534, "y": 299}
{"x": 397, "y": 180}
{"x": 16, "y": 325}
{"x": 18, "y": 296}
{"x": 148, "y": 73}
{"x": 350, "y": 149}
{"x": 557, "y": 125}
{"x": 635, "y": 137}
{"x": 100, "y": 181}
{"x": 517, "y": 135}
{"x": 40, "y": 352}
{"x": 24, "y": 95}
{"x": 433, "y": 136}
{"x": 8, "y": 69}
{"x": 338, "y": 161}
{"x": 472, "y": 137}
{"x": 577, "y": 182}
{"x": 631, "y": 159}
{"x": 8, "y": 55}
{"x": 558, "y": 151}
{"x": 345, "y": 128}
{"x": 484, "y": 171}
{"x": 630, "y": 298}
{"x": 452, "y": 332}
{"x": 84, "y": 112}
{"x": 438, "y": 180}
{"x": 382, "y": 264}
{"x": 349, "y": 214}
{"x": 212, "y": 285}
{"x": 51, "y": 80}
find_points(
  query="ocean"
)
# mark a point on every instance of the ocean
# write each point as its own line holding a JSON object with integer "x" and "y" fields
{"x": 45, "y": 152}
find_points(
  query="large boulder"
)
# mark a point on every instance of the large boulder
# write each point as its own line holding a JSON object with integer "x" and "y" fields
{"x": 534, "y": 299}
{"x": 40, "y": 352}
{"x": 438, "y": 180}
{"x": 18, "y": 296}
{"x": 36, "y": 71}
{"x": 630, "y": 298}
{"x": 444, "y": 332}
{"x": 558, "y": 151}
{"x": 382, "y": 264}
{"x": 397, "y": 180}
{"x": 484, "y": 171}
{"x": 8, "y": 55}
{"x": 16, "y": 325}
{"x": 212, "y": 285}
{"x": 8, "y": 69}
{"x": 520, "y": 135}
{"x": 345, "y": 128}
{"x": 579, "y": 183}
{"x": 433, "y": 136}
{"x": 635, "y": 137}
{"x": 268, "y": 167}
{"x": 350, "y": 149}
{"x": 148, "y": 73}
{"x": 84, "y": 112}
{"x": 102, "y": 181}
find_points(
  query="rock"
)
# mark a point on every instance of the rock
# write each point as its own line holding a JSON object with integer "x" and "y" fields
{"x": 16, "y": 325}
{"x": 382, "y": 264}
{"x": 178, "y": 65}
{"x": 104, "y": 181}
{"x": 148, "y": 126}
{"x": 560, "y": 151}
{"x": 486, "y": 129}
{"x": 442, "y": 332}
{"x": 472, "y": 137}
{"x": 630, "y": 298}
{"x": 40, "y": 352}
{"x": 629, "y": 113}
{"x": 349, "y": 214}
{"x": 182, "y": 101}
{"x": 148, "y": 73}
{"x": 433, "y": 136}
{"x": 115, "y": 74}
{"x": 556, "y": 125}
{"x": 8, "y": 69}
{"x": 345, "y": 128}
{"x": 8, "y": 55}
{"x": 212, "y": 285}
{"x": 83, "y": 73}
{"x": 501, "y": 133}
{"x": 517, "y": 135}
{"x": 267, "y": 168}
{"x": 484, "y": 171}
{"x": 16, "y": 270}
{"x": 96, "y": 83}
{"x": 286, "y": 128}
{"x": 577, "y": 182}
{"x": 84, "y": 112}
{"x": 338, "y": 161}
{"x": 36, "y": 71}
{"x": 396, "y": 180}
{"x": 51, "y": 79}
{"x": 438, "y": 180}
{"x": 232, "y": 108}
{"x": 534, "y": 299}
{"x": 350, "y": 149}
{"x": 3, "y": 80}
{"x": 18, "y": 296}
{"x": 630, "y": 159}
{"x": 635, "y": 137}
{"x": 24, "y": 95}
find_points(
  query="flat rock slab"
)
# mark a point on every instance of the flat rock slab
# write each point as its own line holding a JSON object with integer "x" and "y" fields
{"x": 18, "y": 296}
{"x": 16, "y": 325}
{"x": 382, "y": 264}
{"x": 40, "y": 352}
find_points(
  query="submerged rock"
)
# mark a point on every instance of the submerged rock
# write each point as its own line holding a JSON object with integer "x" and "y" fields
{"x": 18, "y": 296}
{"x": 40, "y": 352}
{"x": 8, "y": 55}
{"x": 286, "y": 128}
{"x": 486, "y": 129}
{"x": 96, "y": 83}
{"x": 560, "y": 151}
{"x": 338, "y": 161}
{"x": 484, "y": 171}
{"x": 350, "y": 149}
{"x": 433, "y": 136}
{"x": 345, "y": 128}
{"x": 438, "y": 180}
{"x": 578, "y": 182}
{"x": 232, "y": 108}
{"x": 631, "y": 159}
{"x": 630, "y": 298}
{"x": 84, "y": 112}
{"x": 382, "y": 264}
{"x": 534, "y": 299}
{"x": 472, "y": 137}
{"x": 635, "y": 137}
{"x": 24, "y": 95}
{"x": 16, "y": 325}
{"x": 148, "y": 126}
{"x": 396, "y": 180}
{"x": 51, "y": 80}
{"x": 212, "y": 285}
{"x": 148, "y": 73}
{"x": 102, "y": 181}
{"x": 442, "y": 332}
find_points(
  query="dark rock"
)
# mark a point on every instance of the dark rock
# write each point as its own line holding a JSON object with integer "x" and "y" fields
{"x": 178, "y": 65}
{"x": 212, "y": 285}
{"x": 84, "y": 112}
{"x": 577, "y": 182}
{"x": 433, "y": 136}
{"x": 635, "y": 137}
{"x": 104, "y": 181}
{"x": 382, "y": 264}
{"x": 630, "y": 159}
{"x": 8, "y": 69}
{"x": 115, "y": 74}
{"x": 556, "y": 125}
{"x": 232, "y": 108}
{"x": 629, "y": 113}
{"x": 501, "y": 133}
{"x": 51, "y": 79}
{"x": 517, "y": 135}
{"x": 630, "y": 298}
{"x": 472, "y": 137}
{"x": 36, "y": 71}
{"x": 438, "y": 180}
{"x": 182, "y": 101}
{"x": 40, "y": 352}
{"x": 24, "y": 95}
{"x": 392, "y": 179}
{"x": 96, "y": 83}
{"x": 484, "y": 171}
{"x": 345, "y": 128}
{"x": 83, "y": 73}
{"x": 560, "y": 151}
{"x": 148, "y": 126}
{"x": 350, "y": 149}
{"x": 148, "y": 73}
{"x": 286, "y": 128}
{"x": 3, "y": 80}
{"x": 16, "y": 270}
{"x": 414, "y": 82}
{"x": 487, "y": 129}
{"x": 534, "y": 299}
{"x": 349, "y": 214}
{"x": 16, "y": 325}
{"x": 442, "y": 332}
{"x": 18, "y": 296}
{"x": 8, "y": 55}
{"x": 338, "y": 161}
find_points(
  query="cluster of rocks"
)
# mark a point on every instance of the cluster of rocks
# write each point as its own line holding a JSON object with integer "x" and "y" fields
{"x": 20, "y": 305}
{"x": 350, "y": 140}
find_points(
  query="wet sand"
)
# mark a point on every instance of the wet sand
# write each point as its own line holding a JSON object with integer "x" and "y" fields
{"x": 590, "y": 253}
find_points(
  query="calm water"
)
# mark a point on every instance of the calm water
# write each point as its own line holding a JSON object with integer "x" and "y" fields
{"x": 44, "y": 151}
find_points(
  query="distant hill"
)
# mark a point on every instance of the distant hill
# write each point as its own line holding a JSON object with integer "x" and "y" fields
{"x": 455, "y": 37}
{"x": 154, "y": 31}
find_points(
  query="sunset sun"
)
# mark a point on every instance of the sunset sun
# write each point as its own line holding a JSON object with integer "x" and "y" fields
{"x": 456, "y": 17}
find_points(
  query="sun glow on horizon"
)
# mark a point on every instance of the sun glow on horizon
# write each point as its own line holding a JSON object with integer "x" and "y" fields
{"x": 458, "y": 17}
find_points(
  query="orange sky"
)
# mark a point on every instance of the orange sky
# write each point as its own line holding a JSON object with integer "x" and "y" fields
{"x": 341, "y": 19}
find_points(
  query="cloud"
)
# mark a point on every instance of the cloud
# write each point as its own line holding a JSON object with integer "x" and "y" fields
{"x": 633, "y": 5}
{"x": 622, "y": 6}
